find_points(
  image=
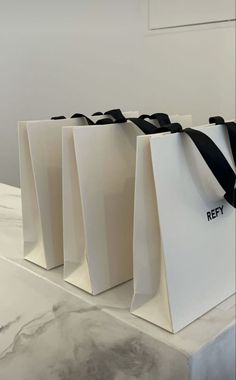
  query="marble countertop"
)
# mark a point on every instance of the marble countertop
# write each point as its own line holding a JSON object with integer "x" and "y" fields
{"x": 49, "y": 329}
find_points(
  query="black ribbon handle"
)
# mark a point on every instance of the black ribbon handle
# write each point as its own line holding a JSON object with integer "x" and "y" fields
{"x": 79, "y": 115}
{"x": 145, "y": 126}
{"x": 210, "y": 152}
{"x": 103, "y": 121}
{"x": 76, "y": 115}
{"x": 231, "y": 128}
{"x": 162, "y": 118}
{"x": 117, "y": 115}
{"x": 216, "y": 161}
{"x": 58, "y": 117}
{"x": 97, "y": 114}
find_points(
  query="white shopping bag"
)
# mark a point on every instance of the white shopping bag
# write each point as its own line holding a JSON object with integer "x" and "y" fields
{"x": 98, "y": 192}
{"x": 98, "y": 187}
{"x": 40, "y": 174}
{"x": 40, "y": 152}
{"x": 184, "y": 230}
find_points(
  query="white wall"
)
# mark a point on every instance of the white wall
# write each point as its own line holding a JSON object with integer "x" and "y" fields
{"x": 62, "y": 57}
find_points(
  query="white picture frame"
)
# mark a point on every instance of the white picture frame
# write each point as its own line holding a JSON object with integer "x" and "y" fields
{"x": 177, "y": 13}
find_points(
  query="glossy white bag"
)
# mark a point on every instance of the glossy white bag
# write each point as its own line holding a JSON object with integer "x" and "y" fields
{"x": 184, "y": 262}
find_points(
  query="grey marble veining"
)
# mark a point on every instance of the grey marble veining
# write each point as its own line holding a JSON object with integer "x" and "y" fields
{"x": 51, "y": 330}
{"x": 46, "y": 333}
